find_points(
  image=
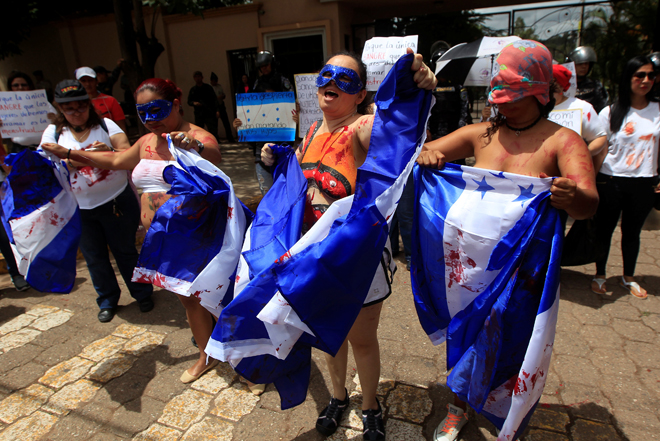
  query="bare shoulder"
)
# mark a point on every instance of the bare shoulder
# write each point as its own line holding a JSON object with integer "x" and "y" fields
{"x": 565, "y": 140}
{"x": 203, "y": 136}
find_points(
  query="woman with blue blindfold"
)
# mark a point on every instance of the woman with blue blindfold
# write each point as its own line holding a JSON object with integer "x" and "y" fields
{"x": 330, "y": 155}
{"x": 159, "y": 108}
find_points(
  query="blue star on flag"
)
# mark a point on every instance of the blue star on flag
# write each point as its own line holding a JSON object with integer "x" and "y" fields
{"x": 483, "y": 186}
{"x": 525, "y": 194}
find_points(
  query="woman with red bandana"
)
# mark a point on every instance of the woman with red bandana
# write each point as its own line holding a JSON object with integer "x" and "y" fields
{"x": 628, "y": 180}
{"x": 330, "y": 155}
{"x": 520, "y": 140}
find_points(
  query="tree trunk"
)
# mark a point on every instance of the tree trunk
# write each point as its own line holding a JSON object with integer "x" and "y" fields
{"x": 131, "y": 66}
{"x": 150, "y": 47}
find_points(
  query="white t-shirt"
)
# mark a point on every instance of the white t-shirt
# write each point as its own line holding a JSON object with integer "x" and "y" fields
{"x": 633, "y": 150}
{"x": 92, "y": 186}
{"x": 592, "y": 127}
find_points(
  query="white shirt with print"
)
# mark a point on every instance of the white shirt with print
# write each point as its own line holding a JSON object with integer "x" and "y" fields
{"x": 633, "y": 150}
{"x": 592, "y": 127}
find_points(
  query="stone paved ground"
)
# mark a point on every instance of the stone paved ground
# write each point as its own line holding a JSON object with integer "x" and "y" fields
{"x": 65, "y": 376}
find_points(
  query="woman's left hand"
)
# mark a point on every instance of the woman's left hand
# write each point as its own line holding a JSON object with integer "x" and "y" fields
{"x": 183, "y": 140}
{"x": 424, "y": 78}
{"x": 55, "y": 149}
{"x": 562, "y": 192}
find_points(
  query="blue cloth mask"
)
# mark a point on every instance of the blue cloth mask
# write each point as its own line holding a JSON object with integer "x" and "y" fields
{"x": 346, "y": 79}
{"x": 156, "y": 110}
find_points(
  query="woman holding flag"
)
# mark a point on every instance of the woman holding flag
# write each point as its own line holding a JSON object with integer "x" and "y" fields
{"x": 330, "y": 156}
{"x": 159, "y": 108}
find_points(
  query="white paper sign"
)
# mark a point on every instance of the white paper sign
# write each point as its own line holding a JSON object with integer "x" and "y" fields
{"x": 380, "y": 54}
{"x": 570, "y": 93}
{"x": 570, "y": 118}
{"x": 266, "y": 116}
{"x": 309, "y": 103}
{"x": 23, "y": 113}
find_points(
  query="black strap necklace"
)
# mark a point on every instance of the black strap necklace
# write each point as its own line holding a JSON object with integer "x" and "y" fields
{"x": 517, "y": 131}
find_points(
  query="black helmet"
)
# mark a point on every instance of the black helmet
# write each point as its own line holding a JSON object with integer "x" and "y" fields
{"x": 583, "y": 54}
{"x": 263, "y": 58}
{"x": 438, "y": 49}
{"x": 655, "y": 59}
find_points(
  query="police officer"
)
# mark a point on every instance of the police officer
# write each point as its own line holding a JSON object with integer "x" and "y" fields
{"x": 588, "y": 89}
{"x": 269, "y": 79}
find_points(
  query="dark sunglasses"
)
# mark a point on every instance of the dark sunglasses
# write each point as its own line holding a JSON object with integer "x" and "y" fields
{"x": 642, "y": 75}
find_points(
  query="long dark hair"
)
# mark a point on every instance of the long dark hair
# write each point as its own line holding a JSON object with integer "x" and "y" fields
{"x": 500, "y": 119}
{"x": 621, "y": 106}
{"x": 363, "y": 107}
{"x": 93, "y": 120}
{"x": 16, "y": 74}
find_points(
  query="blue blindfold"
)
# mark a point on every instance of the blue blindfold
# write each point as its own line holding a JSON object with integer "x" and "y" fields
{"x": 347, "y": 80}
{"x": 156, "y": 110}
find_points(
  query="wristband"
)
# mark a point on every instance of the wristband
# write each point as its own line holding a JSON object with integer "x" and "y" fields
{"x": 68, "y": 155}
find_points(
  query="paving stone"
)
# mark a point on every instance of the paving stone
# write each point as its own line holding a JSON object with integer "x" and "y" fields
{"x": 344, "y": 434}
{"x": 586, "y": 402}
{"x": 42, "y": 310}
{"x": 602, "y": 337}
{"x": 111, "y": 368}
{"x": 578, "y": 369}
{"x": 570, "y": 344}
{"x": 634, "y": 331}
{"x": 31, "y": 428}
{"x": 104, "y": 348}
{"x": 18, "y": 357}
{"x": 643, "y": 354}
{"x": 166, "y": 385}
{"x": 583, "y": 430}
{"x": 353, "y": 414}
{"x": 51, "y": 320}
{"x": 74, "y": 427}
{"x": 385, "y": 385}
{"x": 135, "y": 416}
{"x": 638, "y": 424}
{"x": 209, "y": 429}
{"x": 627, "y": 393}
{"x": 157, "y": 432}
{"x": 402, "y": 431}
{"x": 128, "y": 331}
{"x": 588, "y": 315}
{"x": 184, "y": 410}
{"x": 216, "y": 379}
{"x": 17, "y": 339}
{"x": 22, "y": 376}
{"x": 127, "y": 387}
{"x": 409, "y": 403}
{"x": 651, "y": 379}
{"x": 70, "y": 397}
{"x": 17, "y": 323}
{"x": 58, "y": 353}
{"x": 613, "y": 362}
{"x": 652, "y": 321}
{"x": 622, "y": 311}
{"x": 262, "y": 424}
{"x": 234, "y": 402}
{"x": 66, "y": 372}
{"x": 416, "y": 371}
{"x": 143, "y": 343}
{"x": 542, "y": 435}
{"x": 549, "y": 420}
{"x": 23, "y": 402}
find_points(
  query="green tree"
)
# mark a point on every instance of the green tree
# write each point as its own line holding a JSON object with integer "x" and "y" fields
{"x": 523, "y": 31}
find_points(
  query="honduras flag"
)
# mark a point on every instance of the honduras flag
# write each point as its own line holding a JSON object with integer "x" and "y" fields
{"x": 42, "y": 220}
{"x": 195, "y": 239}
{"x": 293, "y": 293}
{"x": 485, "y": 276}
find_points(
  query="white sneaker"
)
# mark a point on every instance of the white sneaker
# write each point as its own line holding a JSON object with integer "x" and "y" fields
{"x": 451, "y": 425}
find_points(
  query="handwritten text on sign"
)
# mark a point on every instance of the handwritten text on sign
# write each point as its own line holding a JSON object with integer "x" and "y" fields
{"x": 571, "y": 119}
{"x": 23, "y": 112}
{"x": 380, "y": 54}
{"x": 266, "y": 116}
{"x": 309, "y": 102}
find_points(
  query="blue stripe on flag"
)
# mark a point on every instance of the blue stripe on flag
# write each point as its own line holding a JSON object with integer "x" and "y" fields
{"x": 267, "y": 134}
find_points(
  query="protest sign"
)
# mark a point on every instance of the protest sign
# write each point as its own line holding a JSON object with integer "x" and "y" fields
{"x": 380, "y": 54}
{"x": 23, "y": 113}
{"x": 570, "y": 118}
{"x": 570, "y": 93}
{"x": 309, "y": 103}
{"x": 266, "y": 116}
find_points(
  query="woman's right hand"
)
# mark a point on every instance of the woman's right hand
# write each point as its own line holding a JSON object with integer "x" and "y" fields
{"x": 267, "y": 156}
{"x": 237, "y": 123}
{"x": 431, "y": 159}
{"x": 55, "y": 149}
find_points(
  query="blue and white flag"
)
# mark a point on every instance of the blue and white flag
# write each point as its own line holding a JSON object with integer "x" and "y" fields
{"x": 295, "y": 293}
{"x": 42, "y": 220}
{"x": 485, "y": 275}
{"x": 266, "y": 117}
{"x": 195, "y": 238}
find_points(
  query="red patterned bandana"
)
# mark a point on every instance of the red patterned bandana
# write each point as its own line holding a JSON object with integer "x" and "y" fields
{"x": 523, "y": 68}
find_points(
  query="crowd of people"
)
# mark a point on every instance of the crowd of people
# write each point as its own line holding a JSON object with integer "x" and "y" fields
{"x": 613, "y": 160}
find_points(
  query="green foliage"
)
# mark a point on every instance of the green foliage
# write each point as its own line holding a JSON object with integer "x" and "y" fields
{"x": 196, "y": 7}
{"x": 523, "y": 31}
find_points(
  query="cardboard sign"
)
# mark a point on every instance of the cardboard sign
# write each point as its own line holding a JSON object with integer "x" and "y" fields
{"x": 570, "y": 118}
{"x": 266, "y": 116}
{"x": 380, "y": 54}
{"x": 309, "y": 103}
{"x": 23, "y": 113}
{"x": 570, "y": 93}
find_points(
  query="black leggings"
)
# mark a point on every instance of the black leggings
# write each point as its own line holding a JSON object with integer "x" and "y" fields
{"x": 630, "y": 198}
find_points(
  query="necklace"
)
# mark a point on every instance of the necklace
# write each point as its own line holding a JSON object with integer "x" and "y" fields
{"x": 517, "y": 131}
{"x": 82, "y": 134}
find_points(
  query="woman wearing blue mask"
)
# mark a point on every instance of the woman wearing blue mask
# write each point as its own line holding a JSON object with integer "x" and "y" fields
{"x": 330, "y": 154}
{"x": 159, "y": 108}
